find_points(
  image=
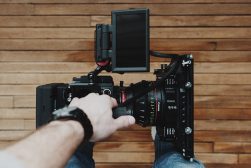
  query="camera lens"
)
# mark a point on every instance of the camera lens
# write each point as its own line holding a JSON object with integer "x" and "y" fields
{"x": 157, "y": 107}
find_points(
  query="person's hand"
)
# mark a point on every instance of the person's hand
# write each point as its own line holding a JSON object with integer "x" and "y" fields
{"x": 98, "y": 108}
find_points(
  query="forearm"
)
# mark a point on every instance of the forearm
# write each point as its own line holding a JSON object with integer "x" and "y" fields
{"x": 50, "y": 146}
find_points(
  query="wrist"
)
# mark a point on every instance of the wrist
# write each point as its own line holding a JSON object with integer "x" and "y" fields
{"x": 70, "y": 125}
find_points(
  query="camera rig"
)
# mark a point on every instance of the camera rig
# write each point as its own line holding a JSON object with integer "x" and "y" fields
{"x": 166, "y": 103}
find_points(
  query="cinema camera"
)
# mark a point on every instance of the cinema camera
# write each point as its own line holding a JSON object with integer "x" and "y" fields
{"x": 123, "y": 46}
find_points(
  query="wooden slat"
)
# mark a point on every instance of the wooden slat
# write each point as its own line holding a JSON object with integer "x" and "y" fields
{"x": 104, "y": 9}
{"x": 17, "y": 89}
{"x": 165, "y": 33}
{"x": 24, "y": 101}
{"x": 6, "y": 101}
{"x": 125, "y": 1}
{"x": 222, "y": 102}
{"x": 44, "y": 21}
{"x": 218, "y": 158}
{"x": 219, "y": 125}
{"x": 200, "y": 33}
{"x": 221, "y": 90}
{"x": 46, "y": 56}
{"x": 16, "y": 9}
{"x": 22, "y": 113}
{"x": 201, "y": 21}
{"x": 88, "y": 56}
{"x": 46, "y": 44}
{"x": 156, "y": 44}
{"x": 232, "y": 147}
{"x": 244, "y": 158}
{"x": 222, "y": 79}
{"x": 230, "y": 114}
{"x": 47, "y": 33}
{"x": 156, "y": 9}
{"x": 201, "y": 44}
{"x": 17, "y": 124}
{"x": 223, "y": 136}
{"x": 227, "y": 165}
{"x": 78, "y": 67}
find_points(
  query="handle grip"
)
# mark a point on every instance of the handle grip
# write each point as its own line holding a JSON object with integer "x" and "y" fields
{"x": 120, "y": 111}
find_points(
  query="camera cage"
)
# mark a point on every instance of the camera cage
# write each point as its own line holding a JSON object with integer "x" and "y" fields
{"x": 104, "y": 56}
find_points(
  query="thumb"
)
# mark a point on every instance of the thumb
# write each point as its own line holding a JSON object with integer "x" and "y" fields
{"x": 124, "y": 121}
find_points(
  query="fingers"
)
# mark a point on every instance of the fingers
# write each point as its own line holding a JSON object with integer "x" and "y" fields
{"x": 74, "y": 102}
{"x": 124, "y": 121}
{"x": 114, "y": 102}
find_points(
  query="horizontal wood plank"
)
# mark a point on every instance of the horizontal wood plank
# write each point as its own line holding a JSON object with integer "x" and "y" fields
{"x": 156, "y": 44}
{"x": 46, "y": 44}
{"x": 222, "y": 102}
{"x": 17, "y": 113}
{"x": 24, "y": 101}
{"x": 17, "y": 90}
{"x": 221, "y": 90}
{"x": 165, "y": 33}
{"x": 223, "y": 136}
{"x": 78, "y": 67}
{"x": 17, "y": 124}
{"x": 230, "y": 114}
{"x": 6, "y": 101}
{"x": 88, "y": 56}
{"x": 105, "y": 9}
{"x": 220, "y": 158}
{"x": 124, "y": 1}
{"x": 244, "y": 158}
{"x": 212, "y": 165}
{"x": 219, "y": 125}
{"x": 232, "y": 147}
{"x": 156, "y": 9}
{"x": 186, "y": 21}
{"x": 44, "y": 21}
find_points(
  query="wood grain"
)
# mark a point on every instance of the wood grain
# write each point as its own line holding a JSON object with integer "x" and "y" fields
{"x": 125, "y": 1}
{"x": 220, "y": 114}
{"x": 88, "y": 56}
{"x": 78, "y": 67}
{"x": 49, "y": 41}
{"x": 85, "y": 33}
{"x": 186, "y": 21}
{"x": 240, "y": 147}
{"x": 156, "y": 44}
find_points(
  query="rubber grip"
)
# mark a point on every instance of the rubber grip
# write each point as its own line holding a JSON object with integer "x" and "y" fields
{"x": 120, "y": 111}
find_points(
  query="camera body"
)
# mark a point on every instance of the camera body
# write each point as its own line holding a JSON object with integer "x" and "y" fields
{"x": 166, "y": 103}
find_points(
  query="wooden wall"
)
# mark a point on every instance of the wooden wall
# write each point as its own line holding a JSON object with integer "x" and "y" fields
{"x": 44, "y": 41}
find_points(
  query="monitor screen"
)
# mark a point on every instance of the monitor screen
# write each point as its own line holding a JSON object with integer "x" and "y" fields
{"x": 131, "y": 36}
